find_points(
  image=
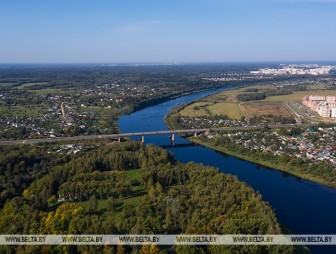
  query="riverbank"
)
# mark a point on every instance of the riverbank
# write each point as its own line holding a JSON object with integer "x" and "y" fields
{"x": 280, "y": 166}
{"x": 277, "y": 166}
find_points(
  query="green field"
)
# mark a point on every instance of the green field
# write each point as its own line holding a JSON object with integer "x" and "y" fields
{"x": 232, "y": 110}
{"x": 196, "y": 109}
{"x": 206, "y": 109}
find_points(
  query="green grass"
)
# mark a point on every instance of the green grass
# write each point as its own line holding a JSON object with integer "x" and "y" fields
{"x": 194, "y": 110}
{"x": 107, "y": 113}
{"x": 232, "y": 110}
{"x": 131, "y": 201}
{"x": 102, "y": 204}
{"x": 133, "y": 174}
{"x": 199, "y": 109}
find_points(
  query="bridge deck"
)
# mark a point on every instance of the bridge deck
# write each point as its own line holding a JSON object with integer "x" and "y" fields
{"x": 141, "y": 134}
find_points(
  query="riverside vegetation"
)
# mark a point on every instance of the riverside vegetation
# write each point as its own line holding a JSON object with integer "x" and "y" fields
{"x": 125, "y": 188}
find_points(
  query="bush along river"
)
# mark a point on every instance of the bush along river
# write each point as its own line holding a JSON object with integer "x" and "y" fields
{"x": 303, "y": 206}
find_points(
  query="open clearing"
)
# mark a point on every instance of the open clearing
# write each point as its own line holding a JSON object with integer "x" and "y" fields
{"x": 232, "y": 110}
{"x": 206, "y": 109}
{"x": 264, "y": 108}
{"x": 195, "y": 109}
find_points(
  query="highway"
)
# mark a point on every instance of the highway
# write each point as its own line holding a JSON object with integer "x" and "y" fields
{"x": 143, "y": 134}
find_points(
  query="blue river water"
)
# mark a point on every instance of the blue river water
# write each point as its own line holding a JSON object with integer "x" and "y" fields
{"x": 303, "y": 206}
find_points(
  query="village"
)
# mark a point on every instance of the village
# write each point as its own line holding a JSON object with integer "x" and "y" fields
{"x": 74, "y": 111}
{"x": 219, "y": 121}
{"x": 314, "y": 144}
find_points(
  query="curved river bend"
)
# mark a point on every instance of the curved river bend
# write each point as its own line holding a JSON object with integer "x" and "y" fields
{"x": 303, "y": 206}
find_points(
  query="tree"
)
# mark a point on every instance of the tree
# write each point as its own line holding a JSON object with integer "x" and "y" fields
{"x": 144, "y": 249}
{"x": 93, "y": 204}
{"x": 110, "y": 203}
{"x": 52, "y": 200}
{"x": 108, "y": 250}
{"x": 154, "y": 249}
{"x": 120, "y": 249}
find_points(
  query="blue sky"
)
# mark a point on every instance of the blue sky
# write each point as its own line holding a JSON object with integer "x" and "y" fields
{"x": 108, "y": 31}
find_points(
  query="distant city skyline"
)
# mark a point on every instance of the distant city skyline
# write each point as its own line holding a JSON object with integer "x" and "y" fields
{"x": 148, "y": 31}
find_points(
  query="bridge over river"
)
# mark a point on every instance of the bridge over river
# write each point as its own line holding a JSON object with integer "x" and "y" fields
{"x": 142, "y": 135}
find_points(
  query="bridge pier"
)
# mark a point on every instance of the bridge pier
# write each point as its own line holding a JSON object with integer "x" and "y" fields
{"x": 119, "y": 139}
{"x": 172, "y": 139}
{"x": 195, "y": 134}
{"x": 143, "y": 139}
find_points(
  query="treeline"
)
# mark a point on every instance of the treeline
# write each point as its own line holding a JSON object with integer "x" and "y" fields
{"x": 176, "y": 198}
{"x": 251, "y": 96}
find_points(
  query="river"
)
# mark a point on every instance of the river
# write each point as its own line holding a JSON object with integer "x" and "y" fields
{"x": 303, "y": 206}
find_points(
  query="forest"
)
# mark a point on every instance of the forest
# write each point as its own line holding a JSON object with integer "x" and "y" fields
{"x": 125, "y": 188}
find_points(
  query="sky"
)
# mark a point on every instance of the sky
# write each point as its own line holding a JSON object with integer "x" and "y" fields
{"x": 123, "y": 31}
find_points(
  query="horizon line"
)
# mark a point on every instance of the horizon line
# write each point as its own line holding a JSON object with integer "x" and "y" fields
{"x": 166, "y": 62}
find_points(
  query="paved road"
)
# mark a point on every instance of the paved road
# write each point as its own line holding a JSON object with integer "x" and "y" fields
{"x": 141, "y": 134}
{"x": 291, "y": 110}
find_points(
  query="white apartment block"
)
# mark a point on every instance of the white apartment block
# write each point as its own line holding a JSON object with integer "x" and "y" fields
{"x": 325, "y": 106}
